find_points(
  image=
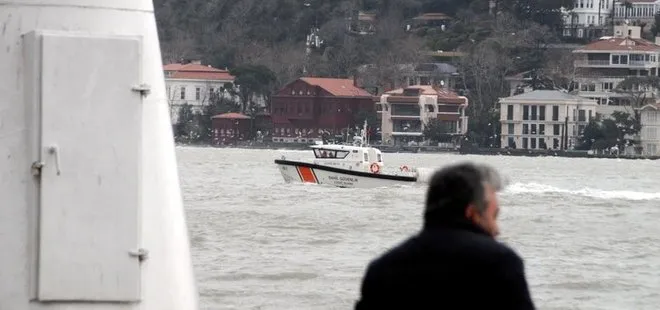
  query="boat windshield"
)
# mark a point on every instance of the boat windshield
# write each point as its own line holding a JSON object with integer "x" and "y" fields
{"x": 321, "y": 153}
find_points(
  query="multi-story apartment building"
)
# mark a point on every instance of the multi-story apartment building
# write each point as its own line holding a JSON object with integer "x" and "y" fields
{"x": 650, "y": 121}
{"x": 541, "y": 118}
{"x": 603, "y": 64}
{"x": 587, "y": 18}
{"x": 405, "y": 112}
{"x": 194, "y": 84}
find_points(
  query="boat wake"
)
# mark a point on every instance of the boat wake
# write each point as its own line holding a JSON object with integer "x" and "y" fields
{"x": 521, "y": 188}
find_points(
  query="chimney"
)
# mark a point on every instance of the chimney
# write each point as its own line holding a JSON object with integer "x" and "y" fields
{"x": 355, "y": 81}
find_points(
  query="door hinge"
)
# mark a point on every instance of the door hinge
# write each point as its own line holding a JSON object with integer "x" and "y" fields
{"x": 36, "y": 168}
{"x": 143, "y": 89}
{"x": 141, "y": 254}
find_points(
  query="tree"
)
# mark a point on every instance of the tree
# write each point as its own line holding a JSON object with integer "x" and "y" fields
{"x": 613, "y": 131}
{"x": 252, "y": 81}
{"x": 599, "y": 135}
{"x": 186, "y": 127}
{"x": 636, "y": 90}
{"x": 437, "y": 131}
{"x": 545, "y": 12}
{"x": 655, "y": 29}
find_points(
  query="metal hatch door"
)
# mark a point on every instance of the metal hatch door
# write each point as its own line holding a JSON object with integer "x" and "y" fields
{"x": 89, "y": 191}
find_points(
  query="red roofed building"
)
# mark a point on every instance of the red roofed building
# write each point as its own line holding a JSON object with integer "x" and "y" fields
{"x": 229, "y": 128}
{"x": 302, "y": 110}
{"x": 405, "y": 111}
{"x": 192, "y": 83}
{"x": 601, "y": 65}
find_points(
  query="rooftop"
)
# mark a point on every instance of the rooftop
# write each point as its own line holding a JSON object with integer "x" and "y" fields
{"x": 337, "y": 87}
{"x": 196, "y": 71}
{"x": 549, "y": 95}
{"x": 231, "y": 116}
{"x": 652, "y": 106}
{"x": 619, "y": 44}
{"x": 424, "y": 90}
{"x": 432, "y": 16}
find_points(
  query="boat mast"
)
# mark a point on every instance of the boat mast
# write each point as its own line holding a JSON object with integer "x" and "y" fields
{"x": 364, "y": 134}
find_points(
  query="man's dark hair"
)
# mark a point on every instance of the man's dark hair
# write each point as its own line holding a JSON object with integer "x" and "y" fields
{"x": 453, "y": 188}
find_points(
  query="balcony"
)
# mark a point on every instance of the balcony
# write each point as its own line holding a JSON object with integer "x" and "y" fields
{"x": 586, "y": 63}
{"x": 607, "y": 63}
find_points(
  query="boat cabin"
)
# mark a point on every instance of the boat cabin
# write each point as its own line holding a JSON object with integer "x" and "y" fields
{"x": 347, "y": 156}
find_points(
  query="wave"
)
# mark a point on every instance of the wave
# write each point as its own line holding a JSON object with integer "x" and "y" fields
{"x": 520, "y": 188}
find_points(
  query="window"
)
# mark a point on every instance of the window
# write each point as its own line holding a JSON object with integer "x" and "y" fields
{"x": 197, "y": 93}
{"x": 555, "y": 129}
{"x": 510, "y": 129}
{"x": 524, "y": 143}
{"x": 542, "y": 144}
{"x": 511, "y": 142}
{"x": 525, "y": 129}
{"x": 533, "y": 143}
{"x": 366, "y": 157}
{"x": 509, "y": 112}
{"x": 533, "y": 131}
{"x": 183, "y": 92}
{"x": 652, "y": 116}
{"x": 534, "y": 110}
{"x": 555, "y": 112}
{"x": 525, "y": 112}
{"x": 211, "y": 90}
{"x": 555, "y": 143}
{"x": 321, "y": 153}
{"x": 541, "y": 129}
{"x": 541, "y": 113}
{"x": 651, "y": 133}
{"x": 581, "y": 116}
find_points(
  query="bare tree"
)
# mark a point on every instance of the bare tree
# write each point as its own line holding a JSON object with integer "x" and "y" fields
{"x": 179, "y": 47}
{"x": 560, "y": 69}
{"x": 636, "y": 90}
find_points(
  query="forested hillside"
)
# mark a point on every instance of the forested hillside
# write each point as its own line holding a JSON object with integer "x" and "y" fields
{"x": 231, "y": 33}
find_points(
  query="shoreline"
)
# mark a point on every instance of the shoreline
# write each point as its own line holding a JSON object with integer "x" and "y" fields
{"x": 438, "y": 150}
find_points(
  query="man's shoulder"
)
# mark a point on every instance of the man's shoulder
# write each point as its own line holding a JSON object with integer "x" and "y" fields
{"x": 456, "y": 243}
{"x": 491, "y": 247}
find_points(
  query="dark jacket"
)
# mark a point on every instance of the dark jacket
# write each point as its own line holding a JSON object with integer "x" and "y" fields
{"x": 448, "y": 265}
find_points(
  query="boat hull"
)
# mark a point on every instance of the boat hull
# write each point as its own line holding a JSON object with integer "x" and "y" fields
{"x": 302, "y": 172}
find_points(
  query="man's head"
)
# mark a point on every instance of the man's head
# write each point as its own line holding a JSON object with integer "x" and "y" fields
{"x": 467, "y": 191}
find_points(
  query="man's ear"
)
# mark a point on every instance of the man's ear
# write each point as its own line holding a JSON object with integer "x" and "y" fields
{"x": 471, "y": 211}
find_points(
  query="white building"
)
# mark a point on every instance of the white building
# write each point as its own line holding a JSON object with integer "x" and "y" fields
{"x": 601, "y": 65}
{"x": 405, "y": 112}
{"x": 193, "y": 84}
{"x": 650, "y": 120}
{"x": 537, "y": 119}
{"x": 587, "y": 18}
{"x": 640, "y": 11}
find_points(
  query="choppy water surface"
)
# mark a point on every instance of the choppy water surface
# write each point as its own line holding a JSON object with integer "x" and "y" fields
{"x": 588, "y": 229}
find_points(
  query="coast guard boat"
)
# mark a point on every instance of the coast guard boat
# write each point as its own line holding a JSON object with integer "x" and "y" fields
{"x": 355, "y": 165}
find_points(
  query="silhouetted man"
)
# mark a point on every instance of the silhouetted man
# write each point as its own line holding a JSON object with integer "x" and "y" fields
{"x": 454, "y": 262}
